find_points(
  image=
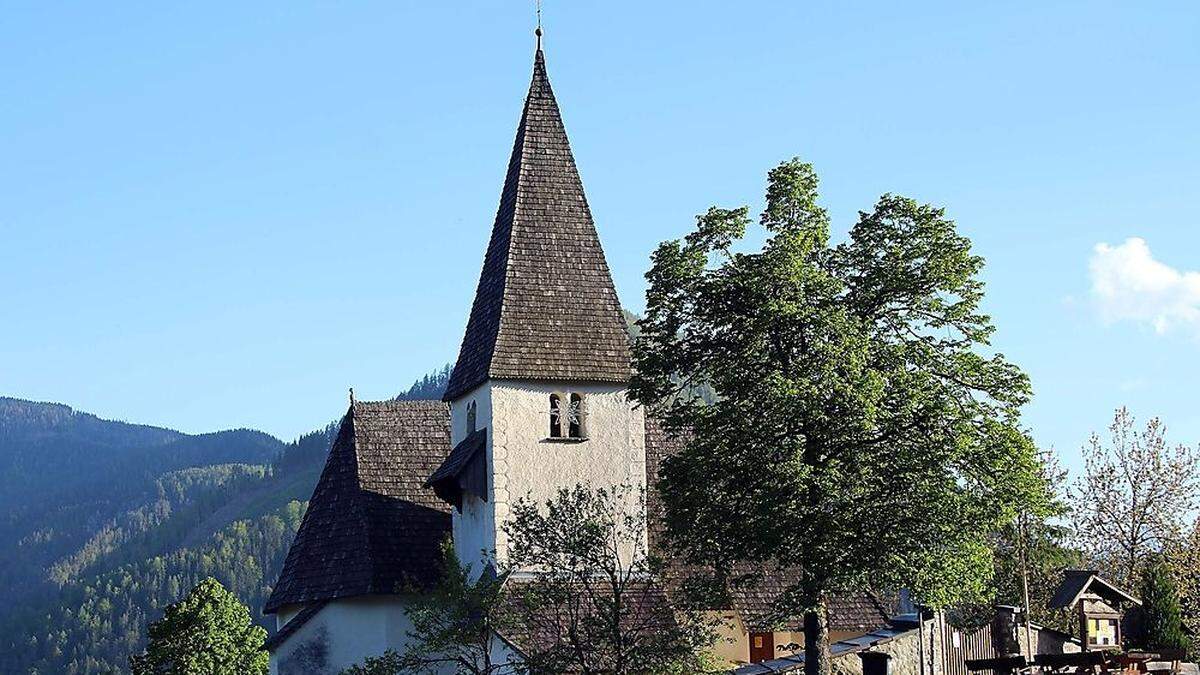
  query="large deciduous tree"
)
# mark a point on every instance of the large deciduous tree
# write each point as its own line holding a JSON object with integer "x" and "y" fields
{"x": 862, "y": 431}
{"x": 209, "y": 632}
{"x": 1134, "y": 497}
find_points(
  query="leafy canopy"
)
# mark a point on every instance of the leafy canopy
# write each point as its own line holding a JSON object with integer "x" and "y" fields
{"x": 862, "y": 432}
{"x": 207, "y": 633}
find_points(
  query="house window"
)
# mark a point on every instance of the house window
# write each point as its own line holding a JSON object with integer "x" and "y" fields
{"x": 555, "y": 416}
{"x": 471, "y": 417}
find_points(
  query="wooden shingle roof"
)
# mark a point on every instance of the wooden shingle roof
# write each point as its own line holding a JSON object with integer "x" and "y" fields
{"x": 545, "y": 308}
{"x": 372, "y": 526}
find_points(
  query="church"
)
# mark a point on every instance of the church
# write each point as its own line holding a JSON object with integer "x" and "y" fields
{"x": 536, "y": 402}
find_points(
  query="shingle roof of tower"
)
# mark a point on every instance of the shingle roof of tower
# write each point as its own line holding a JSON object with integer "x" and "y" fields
{"x": 545, "y": 307}
{"x": 372, "y": 525}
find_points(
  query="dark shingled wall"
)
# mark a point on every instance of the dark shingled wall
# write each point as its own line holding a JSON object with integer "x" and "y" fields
{"x": 545, "y": 308}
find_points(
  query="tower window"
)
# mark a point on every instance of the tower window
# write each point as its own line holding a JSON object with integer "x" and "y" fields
{"x": 555, "y": 416}
{"x": 471, "y": 417}
{"x": 568, "y": 416}
{"x": 575, "y": 417}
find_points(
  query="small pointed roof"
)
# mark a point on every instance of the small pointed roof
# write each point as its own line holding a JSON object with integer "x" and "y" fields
{"x": 545, "y": 308}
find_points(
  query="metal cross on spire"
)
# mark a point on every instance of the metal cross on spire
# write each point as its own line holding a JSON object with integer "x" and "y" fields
{"x": 538, "y": 32}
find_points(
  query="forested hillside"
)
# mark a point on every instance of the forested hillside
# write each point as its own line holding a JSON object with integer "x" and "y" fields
{"x": 105, "y": 523}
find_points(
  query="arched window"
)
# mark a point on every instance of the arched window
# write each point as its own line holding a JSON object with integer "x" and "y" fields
{"x": 471, "y": 417}
{"x": 555, "y": 416}
{"x": 575, "y": 417}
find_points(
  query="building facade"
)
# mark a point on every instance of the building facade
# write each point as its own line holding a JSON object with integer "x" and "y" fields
{"x": 537, "y": 401}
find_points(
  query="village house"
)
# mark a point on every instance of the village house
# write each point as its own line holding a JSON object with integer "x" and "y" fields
{"x": 536, "y": 402}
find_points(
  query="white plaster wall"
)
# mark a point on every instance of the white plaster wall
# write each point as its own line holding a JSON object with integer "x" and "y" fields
{"x": 481, "y": 396}
{"x": 346, "y": 632}
{"x": 473, "y": 529}
{"x": 526, "y": 464}
{"x": 474, "y": 534}
{"x": 285, "y": 615}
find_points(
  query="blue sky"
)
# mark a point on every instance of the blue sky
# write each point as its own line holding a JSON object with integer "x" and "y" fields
{"x": 225, "y": 215}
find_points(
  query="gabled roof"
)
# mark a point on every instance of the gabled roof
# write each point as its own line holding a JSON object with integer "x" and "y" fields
{"x": 1076, "y": 583}
{"x": 371, "y": 526}
{"x": 545, "y": 307}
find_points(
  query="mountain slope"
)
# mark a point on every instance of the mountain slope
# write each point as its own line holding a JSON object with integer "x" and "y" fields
{"x": 82, "y": 571}
{"x": 65, "y": 475}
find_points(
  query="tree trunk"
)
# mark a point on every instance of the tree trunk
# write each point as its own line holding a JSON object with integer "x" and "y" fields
{"x": 816, "y": 641}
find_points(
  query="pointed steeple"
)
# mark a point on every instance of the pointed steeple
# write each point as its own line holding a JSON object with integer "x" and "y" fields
{"x": 545, "y": 308}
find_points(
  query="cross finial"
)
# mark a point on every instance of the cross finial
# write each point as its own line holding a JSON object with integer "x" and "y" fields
{"x": 538, "y": 31}
{"x": 351, "y": 395}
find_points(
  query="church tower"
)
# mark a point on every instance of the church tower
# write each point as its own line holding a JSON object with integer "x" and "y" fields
{"x": 538, "y": 394}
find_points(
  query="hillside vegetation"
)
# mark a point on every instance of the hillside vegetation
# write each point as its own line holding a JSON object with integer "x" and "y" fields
{"x": 105, "y": 523}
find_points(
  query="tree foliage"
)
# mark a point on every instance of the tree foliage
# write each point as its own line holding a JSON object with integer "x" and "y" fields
{"x": 455, "y": 626}
{"x": 594, "y": 602}
{"x": 862, "y": 431}
{"x": 1134, "y": 497}
{"x": 1184, "y": 563}
{"x": 89, "y": 555}
{"x": 1035, "y": 548}
{"x": 209, "y": 632}
{"x": 1160, "y": 616}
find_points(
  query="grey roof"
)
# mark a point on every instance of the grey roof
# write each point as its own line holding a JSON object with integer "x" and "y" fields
{"x": 371, "y": 525}
{"x": 1077, "y": 582}
{"x": 545, "y": 308}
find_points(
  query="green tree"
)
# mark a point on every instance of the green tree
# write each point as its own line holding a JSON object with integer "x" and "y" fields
{"x": 862, "y": 431}
{"x": 1031, "y": 552}
{"x": 595, "y": 601}
{"x": 1183, "y": 560}
{"x": 455, "y": 625}
{"x": 207, "y": 633}
{"x": 1160, "y": 613}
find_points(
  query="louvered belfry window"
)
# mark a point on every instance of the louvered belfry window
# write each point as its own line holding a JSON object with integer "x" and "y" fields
{"x": 575, "y": 417}
{"x": 568, "y": 416}
{"x": 555, "y": 416}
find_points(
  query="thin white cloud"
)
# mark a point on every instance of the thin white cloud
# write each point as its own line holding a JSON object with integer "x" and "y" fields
{"x": 1128, "y": 284}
